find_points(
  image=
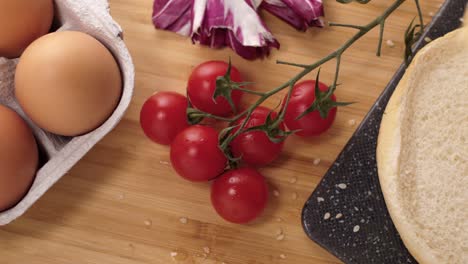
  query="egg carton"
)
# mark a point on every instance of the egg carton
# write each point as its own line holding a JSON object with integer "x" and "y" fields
{"x": 59, "y": 154}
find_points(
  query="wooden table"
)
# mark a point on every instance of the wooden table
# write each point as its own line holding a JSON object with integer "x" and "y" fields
{"x": 124, "y": 204}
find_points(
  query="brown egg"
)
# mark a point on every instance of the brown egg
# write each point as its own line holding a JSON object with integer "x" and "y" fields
{"x": 18, "y": 158}
{"x": 22, "y": 22}
{"x": 68, "y": 83}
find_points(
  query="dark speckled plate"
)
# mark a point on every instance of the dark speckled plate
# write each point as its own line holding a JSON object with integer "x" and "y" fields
{"x": 346, "y": 214}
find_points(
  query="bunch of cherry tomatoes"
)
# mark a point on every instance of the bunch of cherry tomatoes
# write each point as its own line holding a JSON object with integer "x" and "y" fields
{"x": 238, "y": 195}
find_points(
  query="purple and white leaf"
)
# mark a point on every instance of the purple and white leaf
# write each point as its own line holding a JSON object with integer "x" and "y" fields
{"x": 300, "y": 14}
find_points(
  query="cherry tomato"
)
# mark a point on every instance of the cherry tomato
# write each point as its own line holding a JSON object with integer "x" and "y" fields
{"x": 163, "y": 116}
{"x": 202, "y": 85}
{"x": 195, "y": 154}
{"x": 302, "y": 97}
{"x": 240, "y": 196}
{"x": 255, "y": 147}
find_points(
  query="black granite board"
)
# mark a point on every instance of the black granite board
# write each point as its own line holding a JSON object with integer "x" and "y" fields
{"x": 346, "y": 214}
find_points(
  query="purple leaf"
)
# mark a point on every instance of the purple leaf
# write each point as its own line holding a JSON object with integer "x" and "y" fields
{"x": 300, "y": 14}
{"x": 173, "y": 15}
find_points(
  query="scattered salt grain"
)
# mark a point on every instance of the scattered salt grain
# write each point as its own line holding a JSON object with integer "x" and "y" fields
{"x": 339, "y": 215}
{"x": 326, "y": 216}
{"x": 293, "y": 180}
{"x": 183, "y": 220}
{"x": 342, "y": 186}
{"x": 320, "y": 199}
{"x": 356, "y": 228}
{"x": 276, "y": 193}
{"x": 427, "y": 39}
{"x": 207, "y": 250}
{"x": 316, "y": 162}
{"x": 282, "y": 256}
{"x": 390, "y": 43}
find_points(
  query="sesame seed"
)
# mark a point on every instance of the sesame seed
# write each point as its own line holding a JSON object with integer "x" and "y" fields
{"x": 326, "y": 216}
{"x": 279, "y": 231}
{"x": 431, "y": 14}
{"x": 148, "y": 223}
{"x": 339, "y": 215}
{"x": 320, "y": 199}
{"x": 120, "y": 196}
{"x": 163, "y": 162}
{"x": 282, "y": 256}
{"x": 342, "y": 186}
{"x": 293, "y": 180}
{"x": 183, "y": 220}
{"x": 356, "y": 228}
{"x": 294, "y": 196}
{"x": 352, "y": 122}
{"x": 316, "y": 162}
{"x": 390, "y": 43}
{"x": 206, "y": 250}
{"x": 279, "y": 219}
{"x": 276, "y": 193}
{"x": 280, "y": 237}
{"x": 174, "y": 254}
{"x": 462, "y": 19}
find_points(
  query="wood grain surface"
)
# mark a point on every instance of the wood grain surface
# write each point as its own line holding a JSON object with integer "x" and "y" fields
{"x": 124, "y": 204}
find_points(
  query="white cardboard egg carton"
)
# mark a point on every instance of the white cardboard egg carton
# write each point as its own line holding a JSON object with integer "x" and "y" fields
{"x": 61, "y": 153}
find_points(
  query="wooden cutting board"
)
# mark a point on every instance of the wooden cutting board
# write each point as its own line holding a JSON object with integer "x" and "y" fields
{"x": 124, "y": 204}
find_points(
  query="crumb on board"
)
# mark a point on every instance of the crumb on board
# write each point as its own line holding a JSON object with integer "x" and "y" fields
{"x": 317, "y": 161}
{"x": 352, "y": 122}
{"x": 356, "y": 228}
{"x": 326, "y": 216}
{"x": 294, "y": 196}
{"x": 390, "y": 43}
{"x": 431, "y": 14}
{"x": 342, "y": 186}
{"x": 282, "y": 256}
{"x": 279, "y": 231}
{"x": 280, "y": 237}
{"x": 148, "y": 223}
{"x": 207, "y": 250}
{"x": 183, "y": 220}
{"x": 174, "y": 254}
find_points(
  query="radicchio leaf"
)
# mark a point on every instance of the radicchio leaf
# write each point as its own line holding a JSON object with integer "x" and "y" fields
{"x": 300, "y": 14}
{"x": 219, "y": 23}
{"x": 173, "y": 15}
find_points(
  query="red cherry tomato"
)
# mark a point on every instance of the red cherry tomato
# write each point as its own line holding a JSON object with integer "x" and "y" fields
{"x": 163, "y": 116}
{"x": 255, "y": 147}
{"x": 202, "y": 85}
{"x": 195, "y": 154}
{"x": 240, "y": 196}
{"x": 302, "y": 97}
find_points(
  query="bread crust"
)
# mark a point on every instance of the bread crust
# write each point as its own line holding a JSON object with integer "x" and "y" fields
{"x": 388, "y": 155}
